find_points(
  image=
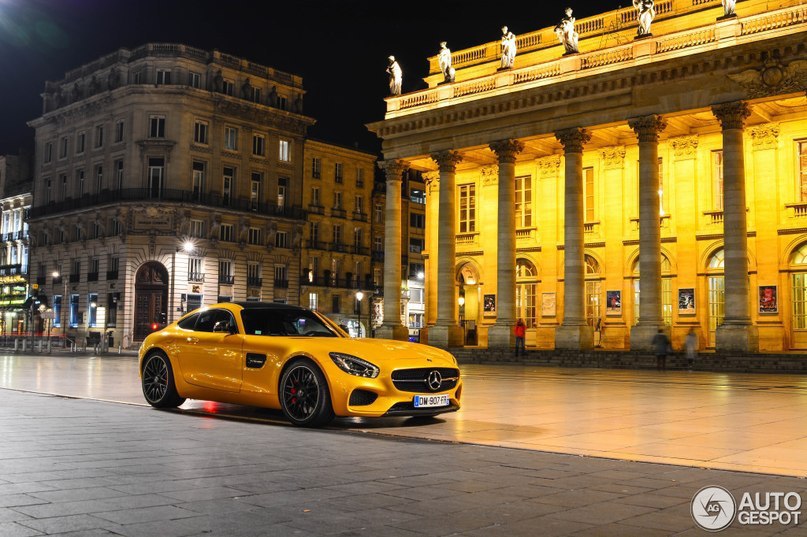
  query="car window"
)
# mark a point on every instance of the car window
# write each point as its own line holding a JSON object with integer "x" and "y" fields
{"x": 284, "y": 322}
{"x": 208, "y": 320}
{"x": 188, "y": 323}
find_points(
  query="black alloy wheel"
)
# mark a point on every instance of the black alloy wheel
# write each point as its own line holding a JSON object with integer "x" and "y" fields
{"x": 158, "y": 382}
{"x": 304, "y": 395}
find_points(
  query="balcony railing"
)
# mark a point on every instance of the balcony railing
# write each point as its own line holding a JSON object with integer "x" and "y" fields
{"x": 226, "y": 279}
{"x": 11, "y": 270}
{"x": 338, "y": 213}
{"x": 197, "y": 277}
{"x": 110, "y": 275}
{"x": 316, "y": 209}
{"x": 360, "y": 217}
{"x": 167, "y": 196}
{"x": 92, "y": 276}
{"x": 323, "y": 281}
{"x": 254, "y": 282}
{"x": 281, "y": 284}
{"x": 58, "y": 280}
{"x": 75, "y": 278}
{"x": 338, "y": 247}
{"x": 13, "y": 236}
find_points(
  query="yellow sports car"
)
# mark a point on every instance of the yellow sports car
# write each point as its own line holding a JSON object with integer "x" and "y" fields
{"x": 290, "y": 358}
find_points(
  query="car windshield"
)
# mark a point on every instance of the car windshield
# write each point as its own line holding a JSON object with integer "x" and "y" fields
{"x": 284, "y": 322}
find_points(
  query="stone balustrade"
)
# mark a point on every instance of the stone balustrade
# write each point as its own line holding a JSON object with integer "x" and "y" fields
{"x": 651, "y": 49}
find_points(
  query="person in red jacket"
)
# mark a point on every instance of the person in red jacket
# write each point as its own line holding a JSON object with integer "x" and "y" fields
{"x": 520, "y": 331}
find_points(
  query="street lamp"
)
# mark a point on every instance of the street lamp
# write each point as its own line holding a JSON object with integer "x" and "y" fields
{"x": 359, "y": 297}
{"x": 461, "y": 302}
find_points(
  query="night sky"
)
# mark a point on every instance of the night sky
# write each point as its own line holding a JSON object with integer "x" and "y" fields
{"x": 339, "y": 48}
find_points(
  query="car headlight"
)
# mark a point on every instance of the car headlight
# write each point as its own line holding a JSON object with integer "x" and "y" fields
{"x": 354, "y": 365}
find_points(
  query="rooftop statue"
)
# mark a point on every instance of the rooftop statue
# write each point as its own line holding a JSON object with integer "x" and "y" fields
{"x": 444, "y": 59}
{"x": 508, "y": 48}
{"x": 566, "y": 33}
{"x": 647, "y": 12}
{"x": 395, "y": 76}
{"x": 728, "y": 8}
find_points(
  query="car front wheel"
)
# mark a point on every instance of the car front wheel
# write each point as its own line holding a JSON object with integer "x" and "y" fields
{"x": 304, "y": 395}
{"x": 158, "y": 382}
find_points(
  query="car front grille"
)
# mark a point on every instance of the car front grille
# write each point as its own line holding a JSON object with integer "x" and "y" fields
{"x": 418, "y": 380}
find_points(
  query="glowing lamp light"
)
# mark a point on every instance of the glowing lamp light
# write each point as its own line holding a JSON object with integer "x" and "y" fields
{"x": 188, "y": 246}
{"x": 461, "y": 301}
{"x": 420, "y": 275}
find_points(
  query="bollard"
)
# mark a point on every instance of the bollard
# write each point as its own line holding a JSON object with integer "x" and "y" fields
{"x": 48, "y": 345}
{"x": 24, "y": 345}
{"x": 16, "y": 341}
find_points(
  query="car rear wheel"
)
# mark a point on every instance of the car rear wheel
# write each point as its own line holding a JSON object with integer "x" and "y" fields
{"x": 158, "y": 382}
{"x": 304, "y": 395}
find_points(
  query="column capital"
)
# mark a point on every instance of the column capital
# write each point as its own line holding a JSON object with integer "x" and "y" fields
{"x": 507, "y": 150}
{"x": 647, "y": 128}
{"x": 393, "y": 169}
{"x": 732, "y": 115}
{"x": 573, "y": 139}
{"x": 447, "y": 160}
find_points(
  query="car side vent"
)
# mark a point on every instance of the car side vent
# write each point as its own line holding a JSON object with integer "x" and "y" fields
{"x": 362, "y": 398}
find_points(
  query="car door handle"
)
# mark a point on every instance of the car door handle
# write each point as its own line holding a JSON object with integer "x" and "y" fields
{"x": 193, "y": 340}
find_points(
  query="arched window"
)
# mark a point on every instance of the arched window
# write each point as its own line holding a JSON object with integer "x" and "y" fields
{"x": 666, "y": 291}
{"x": 593, "y": 291}
{"x": 717, "y": 293}
{"x": 526, "y": 287}
{"x": 798, "y": 290}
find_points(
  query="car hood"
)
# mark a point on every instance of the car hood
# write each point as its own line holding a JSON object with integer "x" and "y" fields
{"x": 392, "y": 354}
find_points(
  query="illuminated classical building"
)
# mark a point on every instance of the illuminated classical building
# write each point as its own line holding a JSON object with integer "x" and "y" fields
{"x": 15, "y": 200}
{"x": 166, "y": 177}
{"x": 642, "y": 183}
{"x": 336, "y": 257}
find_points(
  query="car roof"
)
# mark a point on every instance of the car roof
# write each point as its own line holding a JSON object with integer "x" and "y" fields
{"x": 266, "y": 306}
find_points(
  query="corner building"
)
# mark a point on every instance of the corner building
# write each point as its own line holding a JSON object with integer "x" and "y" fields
{"x": 166, "y": 177}
{"x": 640, "y": 184}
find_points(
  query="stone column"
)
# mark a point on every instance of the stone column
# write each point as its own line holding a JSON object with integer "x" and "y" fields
{"x": 500, "y": 334}
{"x": 737, "y": 333}
{"x": 574, "y": 333}
{"x": 392, "y": 327}
{"x": 647, "y": 129}
{"x": 446, "y": 331}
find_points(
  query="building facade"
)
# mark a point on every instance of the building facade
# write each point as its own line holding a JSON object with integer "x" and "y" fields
{"x": 647, "y": 182}
{"x": 166, "y": 177}
{"x": 15, "y": 201}
{"x": 336, "y": 258}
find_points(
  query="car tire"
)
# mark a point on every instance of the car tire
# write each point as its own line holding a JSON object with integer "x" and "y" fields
{"x": 304, "y": 395}
{"x": 158, "y": 384}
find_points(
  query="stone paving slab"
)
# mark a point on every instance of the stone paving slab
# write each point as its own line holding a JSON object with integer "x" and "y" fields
{"x": 172, "y": 474}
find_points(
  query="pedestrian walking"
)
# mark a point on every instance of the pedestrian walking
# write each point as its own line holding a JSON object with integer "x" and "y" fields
{"x": 691, "y": 345}
{"x": 520, "y": 331}
{"x": 661, "y": 346}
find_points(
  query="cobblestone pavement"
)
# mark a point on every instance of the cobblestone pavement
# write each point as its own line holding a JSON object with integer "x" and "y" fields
{"x": 730, "y": 421}
{"x": 93, "y": 467}
{"x": 90, "y": 468}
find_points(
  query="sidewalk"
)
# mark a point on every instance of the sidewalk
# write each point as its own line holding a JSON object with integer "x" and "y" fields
{"x": 87, "y": 468}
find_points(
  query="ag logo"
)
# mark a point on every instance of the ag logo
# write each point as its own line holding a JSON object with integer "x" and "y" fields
{"x": 713, "y": 508}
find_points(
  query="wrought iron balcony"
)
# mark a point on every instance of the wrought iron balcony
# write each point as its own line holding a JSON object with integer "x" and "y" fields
{"x": 110, "y": 275}
{"x": 254, "y": 282}
{"x": 198, "y": 277}
{"x": 226, "y": 279}
{"x": 92, "y": 276}
{"x": 11, "y": 270}
{"x": 167, "y": 196}
{"x": 75, "y": 278}
{"x": 281, "y": 284}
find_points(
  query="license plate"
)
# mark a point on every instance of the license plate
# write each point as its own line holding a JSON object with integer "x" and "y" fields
{"x": 424, "y": 401}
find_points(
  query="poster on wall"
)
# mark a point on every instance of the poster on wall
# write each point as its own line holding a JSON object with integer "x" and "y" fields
{"x": 548, "y": 304}
{"x": 768, "y": 301}
{"x": 489, "y": 304}
{"x": 686, "y": 301}
{"x": 613, "y": 302}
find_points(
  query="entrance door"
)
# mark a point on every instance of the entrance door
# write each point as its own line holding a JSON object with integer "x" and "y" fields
{"x": 151, "y": 298}
{"x": 799, "y": 292}
{"x": 717, "y": 295}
